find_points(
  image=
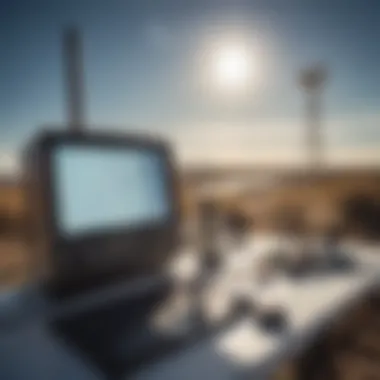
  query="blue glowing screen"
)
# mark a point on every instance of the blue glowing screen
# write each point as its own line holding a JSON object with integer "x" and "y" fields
{"x": 99, "y": 188}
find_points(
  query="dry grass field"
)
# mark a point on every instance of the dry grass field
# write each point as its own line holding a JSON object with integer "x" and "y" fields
{"x": 321, "y": 198}
{"x": 13, "y": 263}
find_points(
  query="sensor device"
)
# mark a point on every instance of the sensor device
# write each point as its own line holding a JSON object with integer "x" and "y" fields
{"x": 103, "y": 207}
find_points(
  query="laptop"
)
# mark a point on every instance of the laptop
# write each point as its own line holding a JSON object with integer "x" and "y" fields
{"x": 105, "y": 211}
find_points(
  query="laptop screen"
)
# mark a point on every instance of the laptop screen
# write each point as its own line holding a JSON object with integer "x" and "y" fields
{"x": 101, "y": 189}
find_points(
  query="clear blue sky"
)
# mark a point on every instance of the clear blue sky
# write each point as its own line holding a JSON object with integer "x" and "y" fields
{"x": 139, "y": 58}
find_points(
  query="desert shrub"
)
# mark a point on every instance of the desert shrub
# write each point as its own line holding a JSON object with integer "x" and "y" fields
{"x": 289, "y": 219}
{"x": 361, "y": 213}
{"x": 5, "y": 224}
{"x": 238, "y": 222}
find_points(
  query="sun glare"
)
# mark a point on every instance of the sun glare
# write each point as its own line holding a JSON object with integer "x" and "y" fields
{"x": 232, "y": 67}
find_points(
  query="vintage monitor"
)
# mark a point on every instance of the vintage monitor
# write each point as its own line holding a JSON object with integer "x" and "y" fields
{"x": 103, "y": 208}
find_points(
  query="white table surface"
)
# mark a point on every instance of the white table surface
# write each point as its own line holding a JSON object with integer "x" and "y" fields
{"x": 312, "y": 305}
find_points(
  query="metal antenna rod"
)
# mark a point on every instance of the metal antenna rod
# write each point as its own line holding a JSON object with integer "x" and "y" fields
{"x": 312, "y": 81}
{"x": 73, "y": 65}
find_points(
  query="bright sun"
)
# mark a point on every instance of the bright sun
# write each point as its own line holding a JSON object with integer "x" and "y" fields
{"x": 232, "y": 67}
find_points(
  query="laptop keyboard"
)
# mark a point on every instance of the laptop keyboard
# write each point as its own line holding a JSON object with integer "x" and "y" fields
{"x": 118, "y": 338}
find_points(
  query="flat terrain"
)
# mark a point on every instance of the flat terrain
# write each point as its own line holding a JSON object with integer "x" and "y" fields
{"x": 13, "y": 263}
{"x": 323, "y": 195}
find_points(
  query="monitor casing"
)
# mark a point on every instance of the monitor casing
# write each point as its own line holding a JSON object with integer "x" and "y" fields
{"x": 73, "y": 265}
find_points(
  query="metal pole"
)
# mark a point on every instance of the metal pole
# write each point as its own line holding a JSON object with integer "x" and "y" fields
{"x": 312, "y": 81}
{"x": 73, "y": 64}
{"x": 314, "y": 138}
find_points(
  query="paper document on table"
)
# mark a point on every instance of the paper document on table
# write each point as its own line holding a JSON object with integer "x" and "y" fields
{"x": 245, "y": 344}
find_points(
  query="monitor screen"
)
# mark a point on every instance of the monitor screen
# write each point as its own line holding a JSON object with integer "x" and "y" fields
{"x": 107, "y": 188}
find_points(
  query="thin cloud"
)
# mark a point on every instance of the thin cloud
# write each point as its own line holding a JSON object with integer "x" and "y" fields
{"x": 352, "y": 138}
